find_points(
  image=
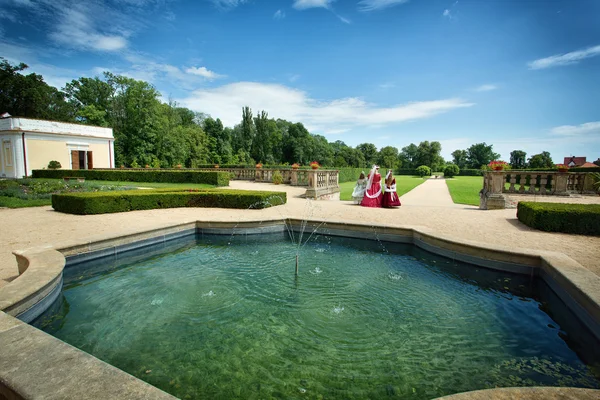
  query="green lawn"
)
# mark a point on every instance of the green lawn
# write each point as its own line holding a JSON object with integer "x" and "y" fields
{"x": 404, "y": 184}
{"x": 38, "y": 192}
{"x": 465, "y": 189}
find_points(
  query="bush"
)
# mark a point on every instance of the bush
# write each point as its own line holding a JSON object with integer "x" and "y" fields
{"x": 112, "y": 202}
{"x": 277, "y": 178}
{"x": 583, "y": 219}
{"x": 216, "y": 178}
{"x": 54, "y": 165}
{"x": 423, "y": 170}
{"x": 451, "y": 170}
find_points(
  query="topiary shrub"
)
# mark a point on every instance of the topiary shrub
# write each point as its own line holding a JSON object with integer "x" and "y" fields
{"x": 451, "y": 170}
{"x": 112, "y": 202}
{"x": 277, "y": 178}
{"x": 423, "y": 170}
{"x": 583, "y": 219}
{"x": 54, "y": 165}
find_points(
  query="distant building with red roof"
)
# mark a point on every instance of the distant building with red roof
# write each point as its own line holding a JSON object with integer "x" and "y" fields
{"x": 578, "y": 162}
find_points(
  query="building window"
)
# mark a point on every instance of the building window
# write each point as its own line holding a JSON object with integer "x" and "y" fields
{"x": 8, "y": 160}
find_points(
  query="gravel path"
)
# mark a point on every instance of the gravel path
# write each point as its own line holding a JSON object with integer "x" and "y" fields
{"x": 428, "y": 205}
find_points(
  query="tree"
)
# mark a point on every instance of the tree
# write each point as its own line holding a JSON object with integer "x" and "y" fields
{"x": 459, "y": 158}
{"x": 29, "y": 96}
{"x": 388, "y": 157}
{"x": 518, "y": 159}
{"x": 597, "y": 162}
{"x": 542, "y": 160}
{"x": 91, "y": 100}
{"x": 247, "y": 128}
{"x": 261, "y": 146}
{"x": 408, "y": 155}
{"x": 369, "y": 152}
{"x": 480, "y": 154}
{"x": 428, "y": 153}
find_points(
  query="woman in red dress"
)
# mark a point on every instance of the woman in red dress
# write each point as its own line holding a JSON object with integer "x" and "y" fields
{"x": 390, "y": 197}
{"x": 373, "y": 193}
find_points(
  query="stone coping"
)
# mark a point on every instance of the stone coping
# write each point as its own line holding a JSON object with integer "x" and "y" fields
{"x": 33, "y": 351}
{"x": 527, "y": 393}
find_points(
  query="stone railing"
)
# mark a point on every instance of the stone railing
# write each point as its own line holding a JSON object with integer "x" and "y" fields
{"x": 498, "y": 183}
{"x": 322, "y": 183}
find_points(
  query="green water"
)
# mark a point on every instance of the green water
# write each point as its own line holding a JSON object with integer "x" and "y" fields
{"x": 225, "y": 318}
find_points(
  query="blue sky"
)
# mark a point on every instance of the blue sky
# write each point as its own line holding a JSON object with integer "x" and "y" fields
{"x": 519, "y": 74}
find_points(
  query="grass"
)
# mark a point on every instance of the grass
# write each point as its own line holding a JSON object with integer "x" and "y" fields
{"x": 465, "y": 189}
{"x": 404, "y": 184}
{"x": 38, "y": 192}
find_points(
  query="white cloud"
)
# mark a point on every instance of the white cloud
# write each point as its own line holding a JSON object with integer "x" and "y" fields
{"x": 279, "y": 14}
{"x": 372, "y": 5}
{"x": 485, "y": 88}
{"x": 559, "y": 60}
{"x": 228, "y": 4}
{"x": 447, "y": 13}
{"x": 304, "y": 4}
{"x": 320, "y": 116}
{"x": 76, "y": 29}
{"x": 387, "y": 85}
{"x": 344, "y": 20}
{"x": 294, "y": 77}
{"x": 204, "y": 72}
{"x": 572, "y": 130}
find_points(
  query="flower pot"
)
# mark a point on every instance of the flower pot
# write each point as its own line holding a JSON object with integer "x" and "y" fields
{"x": 314, "y": 166}
{"x": 563, "y": 170}
{"x": 499, "y": 168}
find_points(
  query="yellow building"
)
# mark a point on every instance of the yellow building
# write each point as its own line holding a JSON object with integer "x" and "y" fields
{"x": 29, "y": 144}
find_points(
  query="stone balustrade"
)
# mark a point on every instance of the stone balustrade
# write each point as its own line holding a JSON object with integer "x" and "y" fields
{"x": 551, "y": 183}
{"x": 322, "y": 183}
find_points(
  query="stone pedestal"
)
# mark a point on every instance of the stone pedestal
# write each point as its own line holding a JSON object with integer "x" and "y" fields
{"x": 294, "y": 177}
{"x": 560, "y": 184}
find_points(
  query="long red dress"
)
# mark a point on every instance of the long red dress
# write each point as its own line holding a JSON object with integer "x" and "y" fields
{"x": 390, "y": 197}
{"x": 374, "y": 195}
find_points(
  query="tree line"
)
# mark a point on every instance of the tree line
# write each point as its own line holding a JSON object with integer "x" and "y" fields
{"x": 150, "y": 132}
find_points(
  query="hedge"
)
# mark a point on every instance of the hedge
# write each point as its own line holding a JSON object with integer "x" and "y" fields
{"x": 583, "y": 219}
{"x": 470, "y": 172}
{"x": 217, "y": 178}
{"x": 131, "y": 200}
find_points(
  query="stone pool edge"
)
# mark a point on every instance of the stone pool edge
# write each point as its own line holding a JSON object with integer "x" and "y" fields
{"x": 34, "y": 364}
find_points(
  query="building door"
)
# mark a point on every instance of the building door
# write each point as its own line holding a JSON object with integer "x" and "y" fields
{"x": 82, "y": 159}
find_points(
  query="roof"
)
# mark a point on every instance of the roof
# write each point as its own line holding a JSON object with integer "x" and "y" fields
{"x": 15, "y": 124}
{"x": 588, "y": 165}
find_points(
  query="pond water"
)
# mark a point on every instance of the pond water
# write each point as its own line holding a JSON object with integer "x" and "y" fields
{"x": 224, "y": 317}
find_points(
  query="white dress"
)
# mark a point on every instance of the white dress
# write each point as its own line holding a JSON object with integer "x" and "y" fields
{"x": 359, "y": 190}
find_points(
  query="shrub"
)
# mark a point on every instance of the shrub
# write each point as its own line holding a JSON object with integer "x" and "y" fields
{"x": 54, "y": 165}
{"x": 423, "y": 170}
{"x": 583, "y": 219}
{"x": 277, "y": 178}
{"x": 112, "y": 202}
{"x": 451, "y": 170}
{"x": 216, "y": 178}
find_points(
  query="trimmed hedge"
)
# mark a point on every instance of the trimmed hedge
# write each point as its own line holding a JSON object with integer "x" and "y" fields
{"x": 470, "y": 172}
{"x": 583, "y": 219}
{"x": 217, "y": 178}
{"x": 131, "y": 200}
